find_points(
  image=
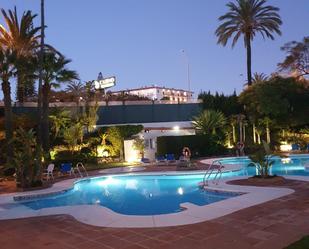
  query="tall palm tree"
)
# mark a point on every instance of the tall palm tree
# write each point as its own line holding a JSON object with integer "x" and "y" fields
{"x": 233, "y": 122}
{"x": 54, "y": 72}
{"x": 41, "y": 61}
{"x": 7, "y": 70}
{"x": 209, "y": 121}
{"x": 247, "y": 18}
{"x": 22, "y": 38}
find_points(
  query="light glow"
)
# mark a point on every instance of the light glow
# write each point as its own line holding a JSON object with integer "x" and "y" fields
{"x": 176, "y": 128}
{"x": 131, "y": 184}
{"x": 108, "y": 181}
{"x": 286, "y": 160}
{"x": 285, "y": 147}
{"x": 180, "y": 191}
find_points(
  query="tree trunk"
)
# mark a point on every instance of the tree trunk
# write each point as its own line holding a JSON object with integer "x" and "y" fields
{"x": 267, "y": 133}
{"x": 20, "y": 91}
{"x": 240, "y": 132}
{"x": 234, "y": 134}
{"x": 253, "y": 131}
{"x": 6, "y": 88}
{"x": 45, "y": 115}
{"x": 248, "y": 46}
{"x": 41, "y": 61}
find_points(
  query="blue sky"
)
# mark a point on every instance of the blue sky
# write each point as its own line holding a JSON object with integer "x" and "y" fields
{"x": 140, "y": 41}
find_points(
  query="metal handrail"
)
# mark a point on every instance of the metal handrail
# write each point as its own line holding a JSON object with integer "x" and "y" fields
{"x": 210, "y": 171}
{"x": 81, "y": 165}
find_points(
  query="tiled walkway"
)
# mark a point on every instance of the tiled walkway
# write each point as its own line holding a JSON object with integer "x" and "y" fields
{"x": 272, "y": 225}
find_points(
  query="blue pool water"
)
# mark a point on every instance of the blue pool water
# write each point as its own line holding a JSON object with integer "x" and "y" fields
{"x": 136, "y": 195}
{"x": 157, "y": 194}
{"x": 292, "y": 165}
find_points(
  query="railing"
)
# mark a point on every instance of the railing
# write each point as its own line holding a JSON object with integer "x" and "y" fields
{"x": 80, "y": 168}
{"x": 213, "y": 170}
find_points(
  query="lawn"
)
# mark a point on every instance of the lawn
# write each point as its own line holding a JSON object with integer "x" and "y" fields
{"x": 301, "y": 244}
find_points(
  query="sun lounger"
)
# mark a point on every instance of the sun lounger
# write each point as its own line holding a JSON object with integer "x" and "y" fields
{"x": 160, "y": 160}
{"x": 145, "y": 160}
{"x": 295, "y": 147}
{"x": 66, "y": 168}
{"x": 170, "y": 158}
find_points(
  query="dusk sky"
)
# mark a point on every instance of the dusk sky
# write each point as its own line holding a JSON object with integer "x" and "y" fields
{"x": 140, "y": 41}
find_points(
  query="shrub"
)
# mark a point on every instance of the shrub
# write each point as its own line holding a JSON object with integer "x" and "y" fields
{"x": 66, "y": 156}
{"x": 200, "y": 145}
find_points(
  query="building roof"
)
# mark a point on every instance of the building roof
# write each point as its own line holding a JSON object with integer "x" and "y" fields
{"x": 152, "y": 87}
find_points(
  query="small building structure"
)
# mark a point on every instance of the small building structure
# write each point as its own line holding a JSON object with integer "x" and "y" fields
{"x": 160, "y": 93}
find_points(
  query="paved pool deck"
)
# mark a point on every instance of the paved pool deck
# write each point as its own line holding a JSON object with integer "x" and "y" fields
{"x": 271, "y": 225}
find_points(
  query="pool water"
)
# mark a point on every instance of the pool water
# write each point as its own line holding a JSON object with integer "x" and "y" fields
{"x": 292, "y": 165}
{"x": 158, "y": 194}
{"x": 136, "y": 195}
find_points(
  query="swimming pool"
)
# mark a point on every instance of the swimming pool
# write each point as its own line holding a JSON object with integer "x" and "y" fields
{"x": 155, "y": 194}
{"x": 136, "y": 195}
{"x": 291, "y": 165}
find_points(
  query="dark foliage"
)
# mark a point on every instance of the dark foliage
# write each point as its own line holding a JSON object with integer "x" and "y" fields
{"x": 227, "y": 104}
{"x": 199, "y": 145}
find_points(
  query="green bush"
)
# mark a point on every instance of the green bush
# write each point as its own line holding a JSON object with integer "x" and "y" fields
{"x": 200, "y": 145}
{"x": 67, "y": 156}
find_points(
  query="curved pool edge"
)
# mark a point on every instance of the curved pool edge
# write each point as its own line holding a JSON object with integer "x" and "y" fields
{"x": 101, "y": 216}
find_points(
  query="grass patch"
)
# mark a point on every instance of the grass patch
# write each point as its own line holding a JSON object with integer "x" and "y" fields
{"x": 301, "y": 244}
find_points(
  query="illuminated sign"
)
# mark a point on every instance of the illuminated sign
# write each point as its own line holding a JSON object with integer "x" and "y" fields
{"x": 105, "y": 83}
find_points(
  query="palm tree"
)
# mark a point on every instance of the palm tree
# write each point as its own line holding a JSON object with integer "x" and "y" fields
{"x": 247, "y": 18}
{"x": 240, "y": 121}
{"x": 7, "y": 70}
{"x": 259, "y": 78}
{"x": 209, "y": 121}
{"x": 233, "y": 122}
{"x": 22, "y": 38}
{"x": 60, "y": 119}
{"x": 73, "y": 135}
{"x": 266, "y": 122}
{"x": 77, "y": 89}
{"x": 54, "y": 72}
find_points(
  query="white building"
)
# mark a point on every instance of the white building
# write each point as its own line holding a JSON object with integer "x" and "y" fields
{"x": 150, "y": 134}
{"x": 160, "y": 93}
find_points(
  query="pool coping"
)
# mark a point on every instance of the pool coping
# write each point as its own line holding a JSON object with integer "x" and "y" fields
{"x": 101, "y": 216}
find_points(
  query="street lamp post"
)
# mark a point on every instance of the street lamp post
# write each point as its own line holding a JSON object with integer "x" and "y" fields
{"x": 188, "y": 69}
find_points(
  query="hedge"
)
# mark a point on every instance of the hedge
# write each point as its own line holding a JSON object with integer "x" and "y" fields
{"x": 200, "y": 145}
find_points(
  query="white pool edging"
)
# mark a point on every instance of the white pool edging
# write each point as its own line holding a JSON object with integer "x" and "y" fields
{"x": 101, "y": 216}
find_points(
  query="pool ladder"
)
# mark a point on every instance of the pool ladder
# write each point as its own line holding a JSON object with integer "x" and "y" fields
{"x": 212, "y": 169}
{"x": 80, "y": 168}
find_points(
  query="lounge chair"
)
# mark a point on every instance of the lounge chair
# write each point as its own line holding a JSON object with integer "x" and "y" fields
{"x": 295, "y": 147}
{"x": 170, "y": 158}
{"x": 160, "y": 160}
{"x": 145, "y": 160}
{"x": 66, "y": 168}
{"x": 49, "y": 172}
